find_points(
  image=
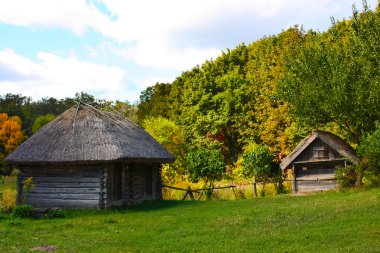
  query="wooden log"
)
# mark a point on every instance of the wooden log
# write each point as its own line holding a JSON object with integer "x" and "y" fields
{"x": 233, "y": 190}
{"x": 64, "y": 196}
{"x": 181, "y": 189}
{"x": 64, "y": 203}
{"x": 67, "y": 185}
{"x": 64, "y": 190}
{"x": 66, "y": 180}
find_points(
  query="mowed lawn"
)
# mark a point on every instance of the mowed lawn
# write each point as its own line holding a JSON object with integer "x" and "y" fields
{"x": 325, "y": 222}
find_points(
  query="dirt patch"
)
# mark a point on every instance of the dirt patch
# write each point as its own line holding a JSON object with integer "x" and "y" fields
{"x": 44, "y": 248}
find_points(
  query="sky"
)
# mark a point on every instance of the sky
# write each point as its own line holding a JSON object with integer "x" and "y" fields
{"x": 114, "y": 49}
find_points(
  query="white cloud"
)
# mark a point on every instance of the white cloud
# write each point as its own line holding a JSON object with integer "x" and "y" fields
{"x": 148, "y": 27}
{"x": 59, "y": 77}
{"x": 147, "y": 32}
{"x": 160, "y": 53}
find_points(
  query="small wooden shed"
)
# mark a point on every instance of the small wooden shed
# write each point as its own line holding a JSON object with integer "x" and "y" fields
{"x": 87, "y": 158}
{"x": 314, "y": 160}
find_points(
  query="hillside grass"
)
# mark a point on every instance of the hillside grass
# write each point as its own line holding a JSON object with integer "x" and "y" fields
{"x": 325, "y": 222}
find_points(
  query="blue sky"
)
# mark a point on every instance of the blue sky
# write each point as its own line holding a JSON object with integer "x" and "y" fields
{"x": 114, "y": 49}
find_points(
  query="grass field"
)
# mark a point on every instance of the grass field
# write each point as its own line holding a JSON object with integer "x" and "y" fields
{"x": 326, "y": 222}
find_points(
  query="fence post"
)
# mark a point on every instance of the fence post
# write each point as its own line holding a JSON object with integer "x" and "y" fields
{"x": 294, "y": 179}
{"x": 233, "y": 189}
{"x": 188, "y": 192}
{"x": 254, "y": 187}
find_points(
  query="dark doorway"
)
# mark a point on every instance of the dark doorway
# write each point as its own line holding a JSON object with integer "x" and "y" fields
{"x": 148, "y": 182}
{"x": 117, "y": 182}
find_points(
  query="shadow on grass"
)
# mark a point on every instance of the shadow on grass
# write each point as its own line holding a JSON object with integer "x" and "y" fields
{"x": 147, "y": 206}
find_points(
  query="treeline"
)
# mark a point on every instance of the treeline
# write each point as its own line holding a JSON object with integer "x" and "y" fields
{"x": 31, "y": 111}
{"x": 265, "y": 96}
{"x": 20, "y": 117}
{"x": 274, "y": 92}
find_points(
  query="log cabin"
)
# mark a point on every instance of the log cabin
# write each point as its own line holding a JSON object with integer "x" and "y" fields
{"x": 88, "y": 158}
{"x": 313, "y": 162}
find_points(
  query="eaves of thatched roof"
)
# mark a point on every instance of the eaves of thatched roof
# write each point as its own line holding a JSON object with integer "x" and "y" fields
{"x": 334, "y": 141}
{"x": 83, "y": 134}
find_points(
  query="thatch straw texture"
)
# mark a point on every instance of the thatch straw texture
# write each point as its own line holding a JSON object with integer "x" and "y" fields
{"x": 83, "y": 134}
{"x": 334, "y": 141}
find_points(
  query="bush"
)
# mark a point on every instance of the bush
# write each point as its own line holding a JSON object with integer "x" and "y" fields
{"x": 206, "y": 165}
{"x": 346, "y": 177}
{"x": 23, "y": 211}
{"x": 8, "y": 200}
{"x": 369, "y": 151}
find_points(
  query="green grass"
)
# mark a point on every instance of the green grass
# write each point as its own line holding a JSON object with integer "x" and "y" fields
{"x": 326, "y": 222}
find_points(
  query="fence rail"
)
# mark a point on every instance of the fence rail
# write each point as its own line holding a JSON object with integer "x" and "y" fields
{"x": 200, "y": 191}
{"x": 189, "y": 192}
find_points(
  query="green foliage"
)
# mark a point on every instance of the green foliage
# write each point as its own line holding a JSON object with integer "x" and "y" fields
{"x": 257, "y": 162}
{"x": 346, "y": 177}
{"x": 26, "y": 189}
{"x": 54, "y": 213}
{"x": 153, "y": 102}
{"x": 168, "y": 133}
{"x": 23, "y": 211}
{"x": 171, "y": 136}
{"x": 41, "y": 121}
{"x": 206, "y": 165}
{"x": 369, "y": 151}
{"x": 335, "y": 77}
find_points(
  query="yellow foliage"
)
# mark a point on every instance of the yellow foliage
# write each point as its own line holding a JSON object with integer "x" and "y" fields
{"x": 8, "y": 199}
{"x": 11, "y": 134}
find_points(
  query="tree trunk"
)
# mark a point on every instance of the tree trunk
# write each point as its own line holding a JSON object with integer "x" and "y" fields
{"x": 359, "y": 177}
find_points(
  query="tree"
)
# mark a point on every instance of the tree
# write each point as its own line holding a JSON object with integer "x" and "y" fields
{"x": 171, "y": 136}
{"x": 369, "y": 151}
{"x": 257, "y": 163}
{"x": 206, "y": 165}
{"x": 336, "y": 77}
{"x": 154, "y": 101}
{"x": 11, "y": 136}
{"x": 41, "y": 121}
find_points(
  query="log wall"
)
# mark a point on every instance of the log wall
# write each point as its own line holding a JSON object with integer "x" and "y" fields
{"x": 136, "y": 188}
{"x": 91, "y": 186}
{"x": 67, "y": 187}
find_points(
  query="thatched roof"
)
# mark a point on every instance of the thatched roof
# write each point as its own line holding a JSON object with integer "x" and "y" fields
{"x": 83, "y": 134}
{"x": 334, "y": 141}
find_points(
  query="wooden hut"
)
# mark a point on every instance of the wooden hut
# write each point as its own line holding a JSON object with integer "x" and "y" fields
{"x": 87, "y": 158}
{"x": 314, "y": 160}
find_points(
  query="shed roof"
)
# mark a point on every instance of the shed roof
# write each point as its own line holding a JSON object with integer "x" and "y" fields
{"x": 84, "y": 134}
{"x": 334, "y": 141}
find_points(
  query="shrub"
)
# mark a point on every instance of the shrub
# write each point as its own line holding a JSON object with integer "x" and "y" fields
{"x": 258, "y": 162}
{"x": 23, "y": 211}
{"x": 369, "y": 151}
{"x": 346, "y": 177}
{"x": 27, "y": 187}
{"x": 206, "y": 165}
{"x": 8, "y": 200}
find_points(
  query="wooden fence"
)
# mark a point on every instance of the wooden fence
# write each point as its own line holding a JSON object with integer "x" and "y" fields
{"x": 200, "y": 191}
{"x": 188, "y": 192}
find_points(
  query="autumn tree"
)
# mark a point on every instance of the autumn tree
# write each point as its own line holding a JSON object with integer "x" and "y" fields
{"x": 11, "y": 136}
{"x": 172, "y": 137}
